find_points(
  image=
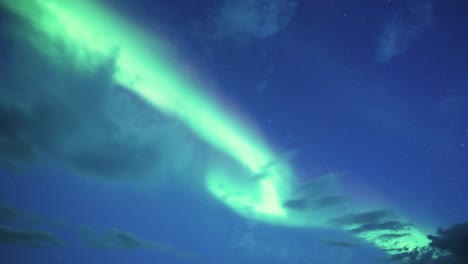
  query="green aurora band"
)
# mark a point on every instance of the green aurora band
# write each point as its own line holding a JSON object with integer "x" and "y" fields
{"x": 260, "y": 183}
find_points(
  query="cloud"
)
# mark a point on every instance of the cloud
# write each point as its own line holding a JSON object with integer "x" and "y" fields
{"x": 318, "y": 193}
{"x": 453, "y": 240}
{"x": 7, "y": 213}
{"x": 363, "y": 218}
{"x": 296, "y": 204}
{"x": 251, "y": 18}
{"x": 321, "y": 203}
{"x": 320, "y": 187}
{"x": 11, "y": 215}
{"x": 114, "y": 239}
{"x": 329, "y": 201}
{"x": 28, "y": 238}
{"x": 392, "y": 236}
{"x": 448, "y": 246}
{"x": 251, "y": 245}
{"x": 339, "y": 243}
{"x": 403, "y": 29}
{"x": 390, "y": 225}
{"x": 80, "y": 117}
{"x": 117, "y": 239}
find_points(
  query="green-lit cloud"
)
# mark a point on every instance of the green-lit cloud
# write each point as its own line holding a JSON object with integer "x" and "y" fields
{"x": 84, "y": 119}
{"x": 93, "y": 50}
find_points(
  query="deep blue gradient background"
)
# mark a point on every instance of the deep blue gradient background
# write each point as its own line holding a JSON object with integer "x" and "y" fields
{"x": 397, "y": 131}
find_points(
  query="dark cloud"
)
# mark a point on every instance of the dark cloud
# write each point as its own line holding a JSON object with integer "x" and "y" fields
{"x": 448, "y": 246}
{"x": 318, "y": 193}
{"x": 19, "y": 217}
{"x": 319, "y": 187}
{"x": 339, "y": 243}
{"x": 392, "y": 236}
{"x": 390, "y": 225}
{"x": 117, "y": 239}
{"x": 404, "y": 28}
{"x": 28, "y": 238}
{"x": 371, "y": 217}
{"x": 296, "y": 204}
{"x": 114, "y": 239}
{"x": 321, "y": 203}
{"x": 7, "y": 213}
{"x": 453, "y": 240}
{"x": 53, "y": 107}
{"x": 328, "y": 201}
{"x": 12, "y": 146}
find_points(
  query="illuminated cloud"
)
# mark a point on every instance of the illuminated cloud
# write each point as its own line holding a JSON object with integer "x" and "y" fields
{"x": 109, "y": 63}
{"x": 85, "y": 120}
{"x": 449, "y": 245}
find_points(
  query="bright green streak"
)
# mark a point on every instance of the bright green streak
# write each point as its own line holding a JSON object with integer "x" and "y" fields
{"x": 144, "y": 67}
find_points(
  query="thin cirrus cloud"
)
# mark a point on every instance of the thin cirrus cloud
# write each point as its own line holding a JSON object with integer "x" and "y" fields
{"x": 249, "y": 18}
{"x": 403, "y": 29}
{"x": 114, "y": 239}
{"x": 28, "y": 238}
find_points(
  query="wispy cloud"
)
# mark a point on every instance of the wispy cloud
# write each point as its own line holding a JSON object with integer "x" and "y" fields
{"x": 339, "y": 243}
{"x": 117, "y": 239}
{"x": 28, "y": 238}
{"x": 250, "y": 18}
{"x": 403, "y": 29}
{"x": 114, "y": 239}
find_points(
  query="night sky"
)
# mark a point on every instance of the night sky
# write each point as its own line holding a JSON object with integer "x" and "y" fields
{"x": 249, "y": 131}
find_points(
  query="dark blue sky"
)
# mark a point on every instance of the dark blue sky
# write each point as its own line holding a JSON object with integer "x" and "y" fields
{"x": 375, "y": 91}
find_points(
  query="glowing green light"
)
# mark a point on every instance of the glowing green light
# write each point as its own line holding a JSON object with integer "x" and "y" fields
{"x": 144, "y": 67}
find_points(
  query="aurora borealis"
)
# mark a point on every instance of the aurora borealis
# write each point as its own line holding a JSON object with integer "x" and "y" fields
{"x": 246, "y": 173}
